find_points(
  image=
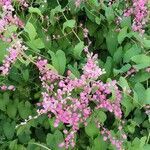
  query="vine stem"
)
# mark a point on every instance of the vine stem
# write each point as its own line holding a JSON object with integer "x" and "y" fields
{"x": 148, "y": 138}
{"x": 41, "y": 146}
{"x": 32, "y": 61}
{"x": 67, "y": 20}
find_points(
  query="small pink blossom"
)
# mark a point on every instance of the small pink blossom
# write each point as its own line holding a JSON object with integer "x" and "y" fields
{"x": 139, "y": 11}
{"x": 13, "y": 53}
{"x": 75, "y": 110}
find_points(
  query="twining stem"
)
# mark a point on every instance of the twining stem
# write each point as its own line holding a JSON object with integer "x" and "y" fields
{"x": 41, "y": 146}
{"x": 67, "y": 20}
{"x": 148, "y": 138}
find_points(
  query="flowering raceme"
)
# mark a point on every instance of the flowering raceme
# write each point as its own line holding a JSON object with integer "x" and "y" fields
{"x": 8, "y": 18}
{"x": 139, "y": 12}
{"x": 13, "y": 53}
{"x": 70, "y": 103}
{"x": 107, "y": 136}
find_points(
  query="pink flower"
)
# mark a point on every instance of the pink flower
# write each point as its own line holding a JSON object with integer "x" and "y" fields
{"x": 11, "y": 87}
{"x": 13, "y": 53}
{"x": 71, "y": 109}
{"x": 4, "y": 88}
{"x": 139, "y": 12}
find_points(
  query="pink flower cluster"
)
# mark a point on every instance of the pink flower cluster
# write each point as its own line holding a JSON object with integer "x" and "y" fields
{"x": 139, "y": 12}
{"x": 8, "y": 18}
{"x": 69, "y": 100}
{"x": 91, "y": 70}
{"x": 13, "y": 53}
{"x": 114, "y": 141}
{"x": 5, "y": 87}
{"x": 102, "y": 99}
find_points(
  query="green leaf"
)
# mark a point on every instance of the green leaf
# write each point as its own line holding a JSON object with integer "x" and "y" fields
{"x": 101, "y": 117}
{"x": 141, "y": 66}
{"x": 50, "y": 140}
{"x": 53, "y": 13}
{"x": 147, "y": 96}
{"x": 3, "y": 51}
{"x": 10, "y": 30}
{"x": 140, "y": 77}
{"x": 69, "y": 23}
{"x": 13, "y": 145}
{"x": 139, "y": 117}
{"x": 61, "y": 61}
{"x": 35, "y": 10}
{"x": 138, "y": 143}
{"x": 124, "y": 69}
{"x": 98, "y": 20}
{"x": 91, "y": 129}
{"x": 95, "y": 3}
{"x": 26, "y": 75}
{"x": 109, "y": 13}
{"x": 58, "y": 61}
{"x": 92, "y": 27}
{"x": 2, "y": 105}
{"x": 9, "y": 129}
{"x": 124, "y": 84}
{"x": 108, "y": 67}
{"x": 131, "y": 128}
{"x": 146, "y": 147}
{"x": 55, "y": 62}
{"x": 4, "y": 101}
{"x": 125, "y": 22}
{"x": 72, "y": 6}
{"x": 78, "y": 50}
{"x": 90, "y": 15}
{"x": 74, "y": 70}
{"x": 140, "y": 90}
{"x": 30, "y": 29}
{"x": 146, "y": 43}
{"x": 21, "y": 147}
{"x": 99, "y": 144}
{"x": 118, "y": 55}
{"x": 141, "y": 59}
{"x": 122, "y": 35}
{"x": 53, "y": 140}
{"x": 127, "y": 102}
{"x": 11, "y": 110}
{"x": 21, "y": 129}
{"x": 36, "y": 44}
{"x": 24, "y": 110}
{"x": 133, "y": 51}
{"x": 111, "y": 41}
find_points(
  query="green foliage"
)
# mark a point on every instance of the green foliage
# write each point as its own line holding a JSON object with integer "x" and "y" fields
{"x": 78, "y": 50}
{"x": 54, "y": 31}
{"x": 59, "y": 61}
{"x": 91, "y": 130}
{"x": 53, "y": 140}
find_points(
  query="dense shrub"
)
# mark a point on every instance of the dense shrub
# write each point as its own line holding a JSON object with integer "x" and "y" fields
{"x": 74, "y": 74}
